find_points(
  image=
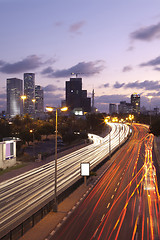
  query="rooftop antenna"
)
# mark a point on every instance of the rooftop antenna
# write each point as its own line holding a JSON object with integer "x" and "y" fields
{"x": 76, "y": 73}
{"x": 93, "y": 94}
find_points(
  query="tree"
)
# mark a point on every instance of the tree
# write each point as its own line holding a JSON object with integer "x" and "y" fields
{"x": 155, "y": 128}
{"x": 5, "y": 129}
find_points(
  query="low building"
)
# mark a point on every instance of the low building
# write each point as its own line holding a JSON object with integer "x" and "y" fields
{"x": 7, "y": 153}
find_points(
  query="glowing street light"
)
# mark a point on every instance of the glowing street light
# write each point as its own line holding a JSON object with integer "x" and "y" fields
{"x": 34, "y": 100}
{"x": 50, "y": 109}
{"x": 23, "y": 97}
{"x": 32, "y": 131}
{"x": 106, "y": 120}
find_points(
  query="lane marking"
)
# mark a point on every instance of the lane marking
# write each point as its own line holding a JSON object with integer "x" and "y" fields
{"x": 52, "y": 233}
{"x": 95, "y": 232}
{"x": 64, "y": 218}
{"x": 59, "y": 224}
{"x": 102, "y": 217}
{"x": 108, "y": 205}
{"x": 115, "y": 189}
{"x": 112, "y": 196}
{"x": 118, "y": 183}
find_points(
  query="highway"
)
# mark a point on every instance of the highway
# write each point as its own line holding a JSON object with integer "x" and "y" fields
{"x": 125, "y": 203}
{"x": 23, "y": 195}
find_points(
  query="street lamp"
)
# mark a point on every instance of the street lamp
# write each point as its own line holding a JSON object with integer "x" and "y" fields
{"x": 106, "y": 120}
{"x": 34, "y": 100}
{"x": 32, "y": 131}
{"x": 50, "y": 109}
{"x": 23, "y": 97}
{"x": 150, "y": 98}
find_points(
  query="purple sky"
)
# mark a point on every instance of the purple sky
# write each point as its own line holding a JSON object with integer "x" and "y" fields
{"x": 114, "y": 44}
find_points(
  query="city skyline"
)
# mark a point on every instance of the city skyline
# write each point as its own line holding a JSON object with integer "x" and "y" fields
{"x": 114, "y": 46}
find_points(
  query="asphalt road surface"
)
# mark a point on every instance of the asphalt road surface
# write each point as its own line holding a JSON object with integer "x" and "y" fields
{"x": 125, "y": 202}
{"x": 25, "y": 194}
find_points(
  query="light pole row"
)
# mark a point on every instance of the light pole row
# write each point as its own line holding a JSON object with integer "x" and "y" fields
{"x": 51, "y": 109}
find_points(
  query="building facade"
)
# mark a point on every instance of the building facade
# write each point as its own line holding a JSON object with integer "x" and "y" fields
{"x": 39, "y": 101}
{"x": 29, "y": 92}
{"x": 76, "y": 97}
{"x": 112, "y": 108}
{"x": 14, "y": 93}
{"x": 135, "y": 101}
{"x": 125, "y": 107}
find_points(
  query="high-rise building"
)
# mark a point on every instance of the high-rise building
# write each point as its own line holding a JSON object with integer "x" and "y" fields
{"x": 75, "y": 96}
{"x": 14, "y": 93}
{"x": 39, "y": 101}
{"x": 29, "y": 92}
{"x": 125, "y": 107}
{"x": 135, "y": 101}
{"x": 112, "y": 108}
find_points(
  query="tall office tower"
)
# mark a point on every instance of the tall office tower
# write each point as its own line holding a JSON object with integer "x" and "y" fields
{"x": 75, "y": 96}
{"x": 135, "y": 101}
{"x": 112, "y": 108}
{"x": 39, "y": 103}
{"x": 29, "y": 92}
{"x": 14, "y": 93}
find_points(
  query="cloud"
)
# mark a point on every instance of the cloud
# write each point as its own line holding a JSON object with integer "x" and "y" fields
{"x": 152, "y": 62}
{"x": 29, "y": 63}
{"x": 104, "y": 99}
{"x": 157, "y": 68}
{"x": 146, "y": 85}
{"x": 52, "y": 88}
{"x": 127, "y": 69}
{"x": 106, "y": 85}
{"x": 47, "y": 70}
{"x": 58, "y": 24}
{"x": 131, "y": 48}
{"x": 51, "y": 99}
{"x": 147, "y": 33}
{"x": 74, "y": 28}
{"x": 118, "y": 85}
{"x": 84, "y": 68}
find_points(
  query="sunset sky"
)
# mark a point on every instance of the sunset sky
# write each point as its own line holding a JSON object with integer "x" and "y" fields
{"x": 114, "y": 44}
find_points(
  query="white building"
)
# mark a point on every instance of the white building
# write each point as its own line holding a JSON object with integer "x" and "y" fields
{"x": 7, "y": 153}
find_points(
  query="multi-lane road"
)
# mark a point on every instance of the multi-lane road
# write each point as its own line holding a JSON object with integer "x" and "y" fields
{"x": 125, "y": 203}
{"x": 23, "y": 195}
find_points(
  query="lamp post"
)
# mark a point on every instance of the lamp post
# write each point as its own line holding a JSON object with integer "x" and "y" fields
{"x": 106, "y": 120}
{"x": 50, "y": 109}
{"x": 119, "y": 136}
{"x": 32, "y": 131}
{"x": 23, "y": 97}
{"x": 150, "y": 98}
{"x": 34, "y": 100}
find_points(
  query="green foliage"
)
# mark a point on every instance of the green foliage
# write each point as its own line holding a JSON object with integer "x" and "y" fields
{"x": 5, "y": 129}
{"x": 95, "y": 123}
{"x": 155, "y": 127}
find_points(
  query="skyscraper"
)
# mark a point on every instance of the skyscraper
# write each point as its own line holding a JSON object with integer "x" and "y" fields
{"x": 135, "y": 101}
{"x": 112, "y": 108}
{"x": 39, "y": 103}
{"x": 75, "y": 96}
{"x": 29, "y": 92}
{"x": 14, "y": 92}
